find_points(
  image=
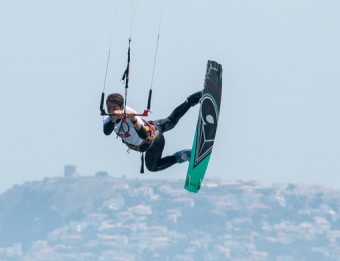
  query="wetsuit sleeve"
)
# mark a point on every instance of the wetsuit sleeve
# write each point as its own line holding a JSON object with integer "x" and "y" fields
{"x": 142, "y": 133}
{"x": 108, "y": 127}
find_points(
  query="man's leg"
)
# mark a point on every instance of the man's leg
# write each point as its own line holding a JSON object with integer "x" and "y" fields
{"x": 171, "y": 121}
{"x": 153, "y": 157}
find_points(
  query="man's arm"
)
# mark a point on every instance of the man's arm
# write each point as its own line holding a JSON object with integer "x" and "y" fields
{"x": 141, "y": 131}
{"x": 108, "y": 127}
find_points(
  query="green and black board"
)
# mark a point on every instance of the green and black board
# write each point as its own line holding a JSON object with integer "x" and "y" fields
{"x": 206, "y": 127}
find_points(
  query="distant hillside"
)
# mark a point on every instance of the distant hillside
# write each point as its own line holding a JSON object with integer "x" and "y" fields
{"x": 105, "y": 218}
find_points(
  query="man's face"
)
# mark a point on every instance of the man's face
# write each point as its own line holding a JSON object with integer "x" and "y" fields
{"x": 111, "y": 107}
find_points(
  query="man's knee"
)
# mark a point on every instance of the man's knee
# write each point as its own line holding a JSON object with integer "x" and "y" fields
{"x": 151, "y": 167}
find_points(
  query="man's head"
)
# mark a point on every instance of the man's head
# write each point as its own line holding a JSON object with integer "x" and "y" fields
{"x": 114, "y": 101}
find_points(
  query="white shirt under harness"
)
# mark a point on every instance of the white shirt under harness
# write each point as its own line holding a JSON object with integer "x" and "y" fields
{"x": 127, "y": 132}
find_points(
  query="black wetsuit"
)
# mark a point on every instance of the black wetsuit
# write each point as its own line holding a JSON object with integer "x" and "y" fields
{"x": 153, "y": 156}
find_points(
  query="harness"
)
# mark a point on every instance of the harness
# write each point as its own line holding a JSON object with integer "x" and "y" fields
{"x": 146, "y": 143}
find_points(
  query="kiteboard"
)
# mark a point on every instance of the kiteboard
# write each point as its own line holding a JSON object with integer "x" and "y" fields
{"x": 206, "y": 127}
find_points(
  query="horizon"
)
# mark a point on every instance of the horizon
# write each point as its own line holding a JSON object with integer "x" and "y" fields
{"x": 100, "y": 174}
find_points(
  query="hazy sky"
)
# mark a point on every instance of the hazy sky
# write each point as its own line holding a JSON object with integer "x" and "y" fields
{"x": 279, "y": 119}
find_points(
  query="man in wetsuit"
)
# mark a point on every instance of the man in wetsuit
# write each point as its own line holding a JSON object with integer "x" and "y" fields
{"x": 147, "y": 136}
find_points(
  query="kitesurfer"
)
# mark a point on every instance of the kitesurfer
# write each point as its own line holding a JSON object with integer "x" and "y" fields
{"x": 146, "y": 136}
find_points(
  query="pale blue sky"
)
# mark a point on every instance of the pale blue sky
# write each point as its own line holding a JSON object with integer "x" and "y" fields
{"x": 279, "y": 118}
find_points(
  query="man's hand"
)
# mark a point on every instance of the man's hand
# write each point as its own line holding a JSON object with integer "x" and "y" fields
{"x": 131, "y": 115}
{"x": 118, "y": 114}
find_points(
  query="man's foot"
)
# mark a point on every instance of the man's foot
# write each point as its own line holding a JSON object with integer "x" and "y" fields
{"x": 183, "y": 155}
{"x": 193, "y": 99}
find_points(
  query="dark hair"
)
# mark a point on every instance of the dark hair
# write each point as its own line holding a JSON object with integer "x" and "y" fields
{"x": 115, "y": 98}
